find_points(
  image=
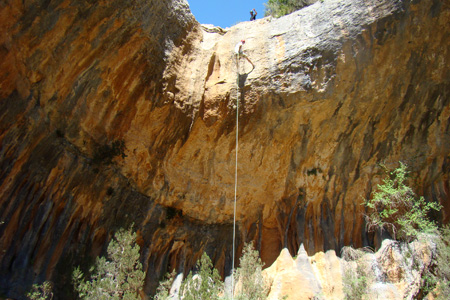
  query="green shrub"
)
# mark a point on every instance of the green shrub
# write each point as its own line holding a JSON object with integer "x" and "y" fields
{"x": 163, "y": 290}
{"x": 355, "y": 284}
{"x": 120, "y": 277}
{"x": 41, "y": 292}
{"x": 279, "y": 8}
{"x": 249, "y": 276}
{"x": 205, "y": 284}
{"x": 398, "y": 210}
{"x": 357, "y": 274}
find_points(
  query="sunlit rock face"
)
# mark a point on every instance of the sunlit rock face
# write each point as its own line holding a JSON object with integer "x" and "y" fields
{"x": 115, "y": 113}
{"x": 393, "y": 272}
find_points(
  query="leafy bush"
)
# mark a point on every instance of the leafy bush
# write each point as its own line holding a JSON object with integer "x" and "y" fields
{"x": 163, "y": 290}
{"x": 41, "y": 292}
{"x": 249, "y": 276}
{"x": 398, "y": 210}
{"x": 120, "y": 277}
{"x": 205, "y": 284}
{"x": 278, "y": 8}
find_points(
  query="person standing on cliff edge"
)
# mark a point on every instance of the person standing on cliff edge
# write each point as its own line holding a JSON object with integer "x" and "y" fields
{"x": 240, "y": 53}
{"x": 253, "y": 14}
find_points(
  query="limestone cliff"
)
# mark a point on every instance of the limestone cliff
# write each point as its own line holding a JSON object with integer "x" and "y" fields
{"x": 121, "y": 112}
{"x": 395, "y": 271}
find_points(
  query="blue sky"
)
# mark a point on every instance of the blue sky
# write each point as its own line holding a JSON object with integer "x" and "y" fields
{"x": 225, "y": 13}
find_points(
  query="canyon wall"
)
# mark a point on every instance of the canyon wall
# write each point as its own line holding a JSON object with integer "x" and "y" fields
{"x": 116, "y": 113}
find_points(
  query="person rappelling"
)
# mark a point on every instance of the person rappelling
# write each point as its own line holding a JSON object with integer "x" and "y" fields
{"x": 240, "y": 53}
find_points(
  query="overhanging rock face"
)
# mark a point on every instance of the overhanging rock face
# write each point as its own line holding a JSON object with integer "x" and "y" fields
{"x": 124, "y": 112}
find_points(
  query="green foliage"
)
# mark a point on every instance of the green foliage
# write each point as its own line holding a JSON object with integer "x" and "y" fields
{"x": 41, "y": 292}
{"x": 120, "y": 277}
{"x": 356, "y": 276}
{"x": 397, "y": 209}
{"x": 355, "y": 284}
{"x": 163, "y": 290}
{"x": 278, "y": 8}
{"x": 249, "y": 276}
{"x": 205, "y": 284}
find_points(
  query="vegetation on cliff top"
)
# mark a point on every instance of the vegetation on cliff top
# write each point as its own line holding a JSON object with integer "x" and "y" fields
{"x": 279, "y": 8}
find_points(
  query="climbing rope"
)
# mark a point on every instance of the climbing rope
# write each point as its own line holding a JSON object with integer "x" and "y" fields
{"x": 235, "y": 177}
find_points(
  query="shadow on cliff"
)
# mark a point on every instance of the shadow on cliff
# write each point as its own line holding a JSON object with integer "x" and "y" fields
{"x": 242, "y": 78}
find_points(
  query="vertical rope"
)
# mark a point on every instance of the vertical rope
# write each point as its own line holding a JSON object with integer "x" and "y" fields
{"x": 235, "y": 178}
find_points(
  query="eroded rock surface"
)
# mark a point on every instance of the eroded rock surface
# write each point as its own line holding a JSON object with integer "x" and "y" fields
{"x": 395, "y": 271}
{"x": 121, "y": 112}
